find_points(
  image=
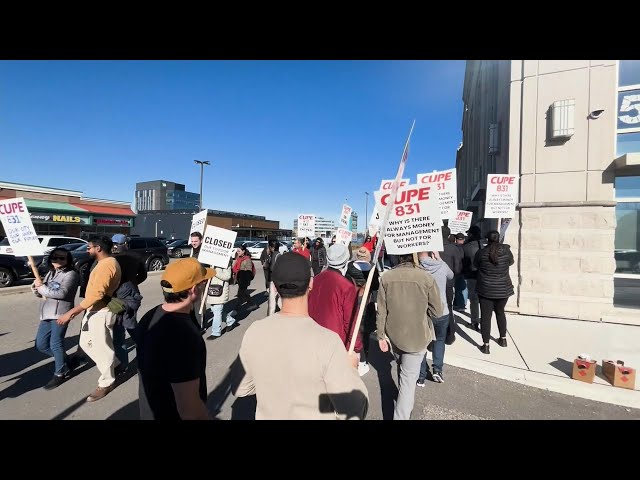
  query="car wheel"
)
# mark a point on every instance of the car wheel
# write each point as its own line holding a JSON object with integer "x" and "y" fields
{"x": 6, "y": 278}
{"x": 155, "y": 264}
{"x": 178, "y": 253}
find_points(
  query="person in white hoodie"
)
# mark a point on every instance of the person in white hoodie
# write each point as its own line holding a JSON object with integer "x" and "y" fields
{"x": 440, "y": 271}
{"x": 217, "y": 296}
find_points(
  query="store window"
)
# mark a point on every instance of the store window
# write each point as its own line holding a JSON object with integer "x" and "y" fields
{"x": 627, "y": 241}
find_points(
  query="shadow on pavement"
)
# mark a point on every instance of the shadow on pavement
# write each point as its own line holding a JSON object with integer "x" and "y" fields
{"x": 227, "y": 385}
{"x": 462, "y": 333}
{"x": 381, "y": 362}
{"x": 563, "y": 365}
{"x": 14, "y": 362}
{"x": 131, "y": 411}
{"x": 244, "y": 408}
{"x": 69, "y": 410}
{"x": 258, "y": 299}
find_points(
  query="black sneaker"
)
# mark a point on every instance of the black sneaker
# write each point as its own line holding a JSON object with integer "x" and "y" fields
{"x": 485, "y": 349}
{"x": 420, "y": 382}
{"x": 213, "y": 337}
{"x": 231, "y": 327}
{"x": 475, "y": 326}
{"x": 120, "y": 369}
{"x": 437, "y": 377}
{"x": 502, "y": 342}
{"x": 56, "y": 381}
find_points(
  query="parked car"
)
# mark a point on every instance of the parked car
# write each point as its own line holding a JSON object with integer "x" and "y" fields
{"x": 169, "y": 241}
{"x": 179, "y": 249}
{"x": 257, "y": 248}
{"x": 48, "y": 242}
{"x": 12, "y": 269}
{"x": 80, "y": 254}
{"x": 150, "y": 251}
{"x": 627, "y": 261}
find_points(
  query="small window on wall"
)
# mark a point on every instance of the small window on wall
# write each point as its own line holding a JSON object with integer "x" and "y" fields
{"x": 627, "y": 143}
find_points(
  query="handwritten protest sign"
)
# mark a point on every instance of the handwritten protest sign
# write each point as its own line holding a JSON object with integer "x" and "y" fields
{"x": 460, "y": 222}
{"x": 502, "y": 196}
{"x": 414, "y": 223}
{"x": 444, "y": 184}
{"x": 217, "y": 246}
{"x": 18, "y": 227}
{"x": 199, "y": 222}
{"x": 306, "y": 225}
{"x": 343, "y": 236}
{"x": 345, "y": 217}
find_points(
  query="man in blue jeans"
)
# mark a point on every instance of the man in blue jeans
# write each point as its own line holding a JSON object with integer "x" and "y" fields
{"x": 440, "y": 272}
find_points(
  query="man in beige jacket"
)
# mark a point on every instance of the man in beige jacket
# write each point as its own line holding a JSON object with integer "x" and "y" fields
{"x": 408, "y": 299}
{"x": 297, "y": 369}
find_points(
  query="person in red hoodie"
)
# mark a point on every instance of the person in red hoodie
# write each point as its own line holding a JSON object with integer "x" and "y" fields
{"x": 370, "y": 243}
{"x": 300, "y": 247}
{"x": 333, "y": 301}
{"x": 244, "y": 270}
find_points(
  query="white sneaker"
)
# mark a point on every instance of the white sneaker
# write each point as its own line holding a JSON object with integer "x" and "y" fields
{"x": 363, "y": 368}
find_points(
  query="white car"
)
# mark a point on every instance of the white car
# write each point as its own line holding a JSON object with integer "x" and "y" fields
{"x": 257, "y": 248}
{"x": 48, "y": 242}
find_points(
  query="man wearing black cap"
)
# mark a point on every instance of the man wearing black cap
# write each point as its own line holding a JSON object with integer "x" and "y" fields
{"x": 297, "y": 369}
{"x": 470, "y": 272}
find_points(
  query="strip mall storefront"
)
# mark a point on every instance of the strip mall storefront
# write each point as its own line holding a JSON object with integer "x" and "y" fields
{"x": 63, "y": 212}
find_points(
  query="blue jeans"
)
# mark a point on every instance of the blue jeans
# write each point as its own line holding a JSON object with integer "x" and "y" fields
{"x": 50, "y": 341}
{"x": 216, "y": 324}
{"x": 462, "y": 294}
{"x": 119, "y": 344}
{"x": 440, "y": 325}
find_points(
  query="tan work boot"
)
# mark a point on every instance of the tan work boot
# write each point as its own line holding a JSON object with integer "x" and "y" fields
{"x": 99, "y": 393}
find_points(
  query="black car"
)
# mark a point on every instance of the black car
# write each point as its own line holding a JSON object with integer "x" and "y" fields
{"x": 12, "y": 269}
{"x": 179, "y": 249}
{"x": 81, "y": 258}
{"x": 150, "y": 251}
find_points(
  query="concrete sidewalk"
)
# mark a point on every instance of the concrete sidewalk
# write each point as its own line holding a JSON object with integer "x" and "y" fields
{"x": 541, "y": 351}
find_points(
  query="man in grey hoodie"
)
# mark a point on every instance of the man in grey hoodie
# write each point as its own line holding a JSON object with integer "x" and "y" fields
{"x": 441, "y": 273}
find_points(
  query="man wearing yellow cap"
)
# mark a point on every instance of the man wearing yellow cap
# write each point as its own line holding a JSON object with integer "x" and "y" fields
{"x": 172, "y": 355}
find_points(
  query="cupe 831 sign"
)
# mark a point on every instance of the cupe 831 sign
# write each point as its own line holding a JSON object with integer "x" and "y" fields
{"x": 18, "y": 227}
{"x": 444, "y": 185}
{"x": 414, "y": 222}
{"x": 502, "y": 196}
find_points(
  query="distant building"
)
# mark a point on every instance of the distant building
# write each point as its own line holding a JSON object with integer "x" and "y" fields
{"x": 164, "y": 195}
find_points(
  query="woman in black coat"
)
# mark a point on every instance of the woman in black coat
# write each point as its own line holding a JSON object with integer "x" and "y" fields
{"x": 493, "y": 287}
{"x": 318, "y": 257}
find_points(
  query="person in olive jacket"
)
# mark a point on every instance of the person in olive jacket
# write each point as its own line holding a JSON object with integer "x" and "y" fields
{"x": 494, "y": 287}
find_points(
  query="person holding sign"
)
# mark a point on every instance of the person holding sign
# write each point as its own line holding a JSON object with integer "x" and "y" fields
{"x": 297, "y": 369}
{"x": 96, "y": 332}
{"x": 494, "y": 287}
{"x": 58, "y": 292}
{"x": 408, "y": 300}
{"x": 217, "y": 296}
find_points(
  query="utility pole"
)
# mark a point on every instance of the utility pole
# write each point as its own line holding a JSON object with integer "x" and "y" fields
{"x": 202, "y": 163}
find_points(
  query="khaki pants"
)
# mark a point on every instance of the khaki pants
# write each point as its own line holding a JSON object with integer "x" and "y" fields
{"x": 96, "y": 339}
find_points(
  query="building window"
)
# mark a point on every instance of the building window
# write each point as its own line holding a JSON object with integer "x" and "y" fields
{"x": 629, "y": 73}
{"x": 627, "y": 143}
{"x": 628, "y": 114}
{"x": 627, "y": 240}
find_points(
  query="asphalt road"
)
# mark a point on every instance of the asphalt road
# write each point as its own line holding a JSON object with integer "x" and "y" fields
{"x": 464, "y": 395}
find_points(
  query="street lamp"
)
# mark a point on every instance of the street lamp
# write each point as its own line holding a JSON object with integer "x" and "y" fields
{"x": 202, "y": 163}
{"x": 157, "y": 227}
{"x": 366, "y": 212}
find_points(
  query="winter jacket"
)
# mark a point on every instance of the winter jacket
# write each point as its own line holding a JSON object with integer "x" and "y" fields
{"x": 441, "y": 273}
{"x": 370, "y": 245}
{"x": 265, "y": 258}
{"x": 129, "y": 293}
{"x": 359, "y": 271}
{"x": 470, "y": 248}
{"x": 319, "y": 256}
{"x": 452, "y": 256}
{"x": 59, "y": 291}
{"x": 333, "y": 304}
{"x": 223, "y": 275}
{"x": 243, "y": 277}
{"x": 407, "y": 301}
{"x": 493, "y": 280}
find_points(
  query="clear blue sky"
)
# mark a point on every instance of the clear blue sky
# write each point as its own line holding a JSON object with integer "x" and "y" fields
{"x": 283, "y": 137}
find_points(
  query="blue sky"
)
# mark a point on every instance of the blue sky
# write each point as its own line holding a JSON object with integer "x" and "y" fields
{"x": 283, "y": 137}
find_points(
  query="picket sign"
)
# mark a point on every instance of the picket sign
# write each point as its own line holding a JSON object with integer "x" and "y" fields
{"x": 383, "y": 228}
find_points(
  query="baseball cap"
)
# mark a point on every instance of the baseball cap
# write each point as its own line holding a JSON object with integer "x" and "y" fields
{"x": 460, "y": 236}
{"x": 291, "y": 274}
{"x": 184, "y": 274}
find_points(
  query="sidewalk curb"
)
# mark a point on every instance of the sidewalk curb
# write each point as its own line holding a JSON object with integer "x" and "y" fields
{"x": 27, "y": 288}
{"x": 552, "y": 383}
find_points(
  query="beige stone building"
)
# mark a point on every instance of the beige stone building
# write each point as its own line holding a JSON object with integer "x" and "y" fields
{"x": 570, "y": 129}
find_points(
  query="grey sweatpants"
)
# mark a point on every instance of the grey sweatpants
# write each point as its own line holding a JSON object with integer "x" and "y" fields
{"x": 408, "y": 373}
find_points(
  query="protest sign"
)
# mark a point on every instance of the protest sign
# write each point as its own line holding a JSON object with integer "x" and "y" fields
{"x": 374, "y": 222}
{"x": 460, "y": 222}
{"x": 199, "y": 222}
{"x": 19, "y": 230}
{"x": 414, "y": 223}
{"x": 344, "y": 236}
{"x": 217, "y": 246}
{"x": 502, "y": 196}
{"x": 306, "y": 225}
{"x": 444, "y": 184}
{"x": 388, "y": 184}
{"x": 345, "y": 217}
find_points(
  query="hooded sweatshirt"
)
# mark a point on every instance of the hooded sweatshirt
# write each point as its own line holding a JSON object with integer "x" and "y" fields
{"x": 440, "y": 272}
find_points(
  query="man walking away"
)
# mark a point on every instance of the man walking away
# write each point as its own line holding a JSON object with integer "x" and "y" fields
{"x": 274, "y": 297}
{"x": 460, "y": 285}
{"x": 470, "y": 272}
{"x": 407, "y": 301}
{"x": 172, "y": 356}
{"x": 96, "y": 332}
{"x": 265, "y": 260}
{"x": 297, "y": 369}
{"x": 452, "y": 256}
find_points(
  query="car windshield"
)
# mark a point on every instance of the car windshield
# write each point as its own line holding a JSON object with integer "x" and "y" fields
{"x": 82, "y": 248}
{"x": 260, "y": 245}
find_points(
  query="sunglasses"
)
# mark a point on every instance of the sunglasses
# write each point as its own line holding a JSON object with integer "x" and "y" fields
{"x": 58, "y": 258}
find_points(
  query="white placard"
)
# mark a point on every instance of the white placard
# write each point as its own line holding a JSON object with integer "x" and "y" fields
{"x": 388, "y": 184}
{"x": 217, "y": 246}
{"x": 375, "y": 221}
{"x": 306, "y": 225}
{"x": 199, "y": 222}
{"x": 345, "y": 217}
{"x": 460, "y": 222}
{"x": 414, "y": 224}
{"x": 502, "y": 196}
{"x": 444, "y": 183}
{"x": 18, "y": 227}
{"x": 344, "y": 236}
